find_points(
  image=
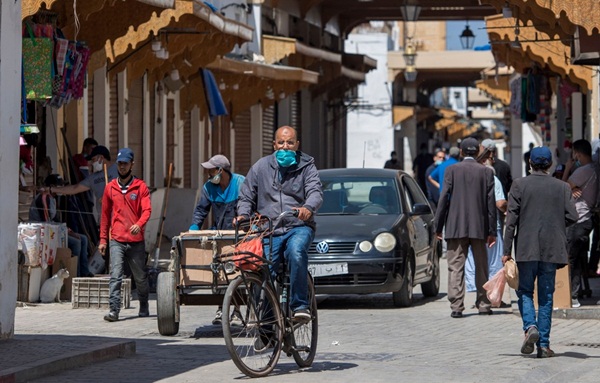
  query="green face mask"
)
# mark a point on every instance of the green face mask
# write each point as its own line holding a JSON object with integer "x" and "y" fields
{"x": 286, "y": 158}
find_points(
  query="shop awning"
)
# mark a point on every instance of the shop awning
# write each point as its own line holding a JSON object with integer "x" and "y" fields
{"x": 554, "y": 16}
{"x": 552, "y": 54}
{"x": 236, "y": 78}
{"x": 496, "y": 87}
{"x": 192, "y": 34}
{"x": 402, "y": 113}
{"x": 338, "y": 71}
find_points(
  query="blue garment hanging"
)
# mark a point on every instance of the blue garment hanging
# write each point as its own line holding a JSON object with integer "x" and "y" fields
{"x": 216, "y": 106}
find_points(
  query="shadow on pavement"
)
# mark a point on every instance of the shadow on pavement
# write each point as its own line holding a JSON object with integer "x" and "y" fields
{"x": 369, "y": 301}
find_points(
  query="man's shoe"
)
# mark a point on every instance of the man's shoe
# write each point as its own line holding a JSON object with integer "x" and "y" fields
{"x": 544, "y": 352}
{"x": 112, "y": 316}
{"x": 218, "y": 317}
{"x": 489, "y": 312}
{"x": 144, "y": 311}
{"x": 531, "y": 337}
{"x": 575, "y": 303}
{"x": 456, "y": 314}
{"x": 236, "y": 318}
{"x": 302, "y": 315}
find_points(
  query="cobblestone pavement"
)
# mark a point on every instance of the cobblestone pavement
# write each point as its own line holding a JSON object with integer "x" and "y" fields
{"x": 361, "y": 338}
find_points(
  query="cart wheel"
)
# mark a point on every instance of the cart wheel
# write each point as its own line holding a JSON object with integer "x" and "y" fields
{"x": 166, "y": 302}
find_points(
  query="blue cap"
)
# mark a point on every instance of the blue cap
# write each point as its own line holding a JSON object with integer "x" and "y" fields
{"x": 125, "y": 155}
{"x": 541, "y": 156}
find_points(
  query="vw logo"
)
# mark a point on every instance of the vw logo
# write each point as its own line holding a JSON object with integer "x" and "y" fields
{"x": 322, "y": 247}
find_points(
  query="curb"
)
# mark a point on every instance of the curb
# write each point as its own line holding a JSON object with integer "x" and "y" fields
{"x": 585, "y": 312}
{"x": 52, "y": 365}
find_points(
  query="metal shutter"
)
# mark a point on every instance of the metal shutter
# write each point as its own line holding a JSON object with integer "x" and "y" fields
{"x": 90, "y": 104}
{"x": 296, "y": 111}
{"x": 135, "y": 115}
{"x": 113, "y": 120}
{"x": 187, "y": 150}
{"x": 268, "y": 125}
{"x": 242, "y": 125}
{"x": 170, "y": 132}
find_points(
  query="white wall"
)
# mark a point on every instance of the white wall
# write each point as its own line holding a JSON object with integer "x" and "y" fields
{"x": 10, "y": 83}
{"x": 370, "y": 132}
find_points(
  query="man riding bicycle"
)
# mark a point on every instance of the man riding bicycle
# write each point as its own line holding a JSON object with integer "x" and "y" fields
{"x": 286, "y": 180}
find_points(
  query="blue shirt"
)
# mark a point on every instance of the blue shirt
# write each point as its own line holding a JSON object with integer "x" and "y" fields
{"x": 438, "y": 173}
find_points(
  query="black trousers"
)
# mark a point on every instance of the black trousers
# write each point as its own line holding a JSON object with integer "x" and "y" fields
{"x": 578, "y": 237}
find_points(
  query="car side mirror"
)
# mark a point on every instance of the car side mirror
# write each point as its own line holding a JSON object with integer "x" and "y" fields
{"x": 421, "y": 209}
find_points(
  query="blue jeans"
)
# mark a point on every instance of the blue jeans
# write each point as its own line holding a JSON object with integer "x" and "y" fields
{"x": 79, "y": 248}
{"x": 293, "y": 245}
{"x": 135, "y": 254}
{"x": 546, "y": 274}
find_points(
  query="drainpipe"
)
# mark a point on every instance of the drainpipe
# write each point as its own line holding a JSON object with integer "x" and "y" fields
{"x": 256, "y": 43}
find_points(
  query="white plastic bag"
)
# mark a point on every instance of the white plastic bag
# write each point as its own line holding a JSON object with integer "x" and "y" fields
{"x": 495, "y": 288}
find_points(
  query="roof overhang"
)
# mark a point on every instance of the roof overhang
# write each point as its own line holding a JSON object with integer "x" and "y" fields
{"x": 496, "y": 87}
{"x": 555, "y": 18}
{"x": 191, "y": 32}
{"x": 549, "y": 53}
{"x": 269, "y": 83}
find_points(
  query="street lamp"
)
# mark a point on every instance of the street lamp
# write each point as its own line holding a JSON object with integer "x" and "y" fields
{"x": 410, "y": 53}
{"x": 410, "y": 12}
{"x": 410, "y": 73}
{"x": 467, "y": 38}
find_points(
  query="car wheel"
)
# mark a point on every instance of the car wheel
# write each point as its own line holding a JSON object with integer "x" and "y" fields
{"x": 431, "y": 288}
{"x": 403, "y": 297}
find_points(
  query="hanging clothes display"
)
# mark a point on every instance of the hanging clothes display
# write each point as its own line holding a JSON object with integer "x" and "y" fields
{"x": 54, "y": 68}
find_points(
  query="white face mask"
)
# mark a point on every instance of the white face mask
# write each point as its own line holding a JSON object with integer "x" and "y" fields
{"x": 216, "y": 179}
{"x": 97, "y": 167}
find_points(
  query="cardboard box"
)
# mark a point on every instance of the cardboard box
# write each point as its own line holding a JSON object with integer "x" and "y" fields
{"x": 64, "y": 260}
{"x": 198, "y": 248}
{"x": 562, "y": 290}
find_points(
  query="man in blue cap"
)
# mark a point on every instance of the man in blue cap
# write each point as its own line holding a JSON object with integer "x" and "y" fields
{"x": 534, "y": 202}
{"x": 126, "y": 209}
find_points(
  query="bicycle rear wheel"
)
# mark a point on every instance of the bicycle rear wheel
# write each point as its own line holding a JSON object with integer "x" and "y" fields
{"x": 304, "y": 347}
{"x": 252, "y": 325}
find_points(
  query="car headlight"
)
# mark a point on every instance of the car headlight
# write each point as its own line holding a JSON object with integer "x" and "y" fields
{"x": 385, "y": 242}
{"x": 365, "y": 246}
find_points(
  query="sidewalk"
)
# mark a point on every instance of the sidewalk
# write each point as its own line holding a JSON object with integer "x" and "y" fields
{"x": 70, "y": 338}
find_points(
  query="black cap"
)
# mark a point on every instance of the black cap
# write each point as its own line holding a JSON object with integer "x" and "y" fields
{"x": 101, "y": 150}
{"x": 469, "y": 146}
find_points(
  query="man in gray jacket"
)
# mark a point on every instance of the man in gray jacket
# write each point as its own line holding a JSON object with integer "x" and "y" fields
{"x": 540, "y": 208}
{"x": 286, "y": 180}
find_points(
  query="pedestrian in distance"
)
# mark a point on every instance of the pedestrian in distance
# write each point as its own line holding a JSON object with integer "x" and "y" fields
{"x": 126, "y": 208}
{"x": 467, "y": 212}
{"x": 420, "y": 165}
{"x": 584, "y": 185}
{"x": 393, "y": 162}
{"x": 219, "y": 195}
{"x": 501, "y": 167}
{"x": 534, "y": 202}
{"x": 526, "y": 157}
{"x": 433, "y": 192}
{"x": 437, "y": 175}
{"x": 286, "y": 180}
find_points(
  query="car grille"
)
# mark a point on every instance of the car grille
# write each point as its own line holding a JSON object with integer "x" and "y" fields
{"x": 335, "y": 248}
{"x": 351, "y": 279}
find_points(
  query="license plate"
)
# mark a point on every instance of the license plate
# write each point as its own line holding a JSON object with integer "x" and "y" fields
{"x": 324, "y": 269}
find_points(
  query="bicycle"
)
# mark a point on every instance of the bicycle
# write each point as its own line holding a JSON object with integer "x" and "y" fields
{"x": 261, "y": 304}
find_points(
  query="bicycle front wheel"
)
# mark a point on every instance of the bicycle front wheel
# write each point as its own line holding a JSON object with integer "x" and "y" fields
{"x": 306, "y": 334}
{"x": 252, "y": 325}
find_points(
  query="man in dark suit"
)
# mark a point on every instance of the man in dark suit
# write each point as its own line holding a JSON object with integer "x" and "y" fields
{"x": 467, "y": 209}
{"x": 535, "y": 202}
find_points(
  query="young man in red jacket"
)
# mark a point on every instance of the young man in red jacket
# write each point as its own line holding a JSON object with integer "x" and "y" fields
{"x": 126, "y": 208}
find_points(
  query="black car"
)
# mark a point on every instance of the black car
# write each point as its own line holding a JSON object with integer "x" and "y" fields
{"x": 374, "y": 234}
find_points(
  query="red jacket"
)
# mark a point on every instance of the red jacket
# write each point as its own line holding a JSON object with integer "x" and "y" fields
{"x": 121, "y": 211}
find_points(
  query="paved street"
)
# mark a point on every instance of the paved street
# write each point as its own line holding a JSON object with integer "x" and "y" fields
{"x": 361, "y": 339}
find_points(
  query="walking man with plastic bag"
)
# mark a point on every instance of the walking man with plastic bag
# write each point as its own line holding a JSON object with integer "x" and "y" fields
{"x": 540, "y": 208}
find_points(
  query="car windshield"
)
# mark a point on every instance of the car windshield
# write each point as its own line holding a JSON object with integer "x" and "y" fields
{"x": 359, "y": 196}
